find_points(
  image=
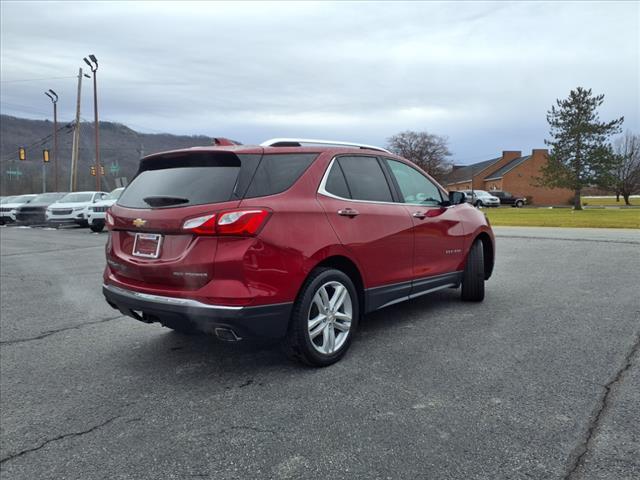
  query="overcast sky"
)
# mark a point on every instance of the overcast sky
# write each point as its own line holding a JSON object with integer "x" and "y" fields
{"x": 483, "y": 74}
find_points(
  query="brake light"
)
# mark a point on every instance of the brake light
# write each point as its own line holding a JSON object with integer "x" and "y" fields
{"x": 242, "y": 222}
{"x": 205, "y": 225}
{"x": 235, "y": 222}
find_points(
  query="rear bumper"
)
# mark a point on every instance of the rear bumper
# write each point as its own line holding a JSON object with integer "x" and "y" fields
{"x": 264, "y": 321}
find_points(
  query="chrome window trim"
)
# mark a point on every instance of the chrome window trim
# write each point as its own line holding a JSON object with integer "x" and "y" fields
{"x": 323, "y": 191}
{"x": 184, "y": 302}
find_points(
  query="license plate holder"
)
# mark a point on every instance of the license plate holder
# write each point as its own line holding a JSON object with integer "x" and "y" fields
{"x": 147, "y": 245}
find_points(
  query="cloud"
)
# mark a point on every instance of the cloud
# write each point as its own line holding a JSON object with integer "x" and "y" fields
{"x": 482, "y": 74}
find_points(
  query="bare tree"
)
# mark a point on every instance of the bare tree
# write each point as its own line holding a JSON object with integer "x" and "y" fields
{"x": 626, "y": 173}
{"x": 427, "y": 150}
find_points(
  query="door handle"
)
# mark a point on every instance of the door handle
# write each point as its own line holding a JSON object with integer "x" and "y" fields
{"x": 348, "y": 212}
{"x": 420, "y": 215}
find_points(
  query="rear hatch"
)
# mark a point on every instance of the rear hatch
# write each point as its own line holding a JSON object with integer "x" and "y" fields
{"x": 148, "y": 245}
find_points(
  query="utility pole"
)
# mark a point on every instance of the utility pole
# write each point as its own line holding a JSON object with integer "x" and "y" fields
{"x": 93, "y": 65}
{"x": 54, "y": 99}
{"x": 75, "y": 149}
{"x": 44, "y": 177}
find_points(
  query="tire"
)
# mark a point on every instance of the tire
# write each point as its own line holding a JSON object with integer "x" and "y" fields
{"x": 479, "y": 204}
{"x": 519, "y": 204}
{"x": 473, "y": 275}
{"x": 315, "y": 338}
{"x": 97, "y": 228}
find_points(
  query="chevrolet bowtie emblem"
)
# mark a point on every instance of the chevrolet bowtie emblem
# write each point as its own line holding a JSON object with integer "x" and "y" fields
{"x": 138, "y": 222}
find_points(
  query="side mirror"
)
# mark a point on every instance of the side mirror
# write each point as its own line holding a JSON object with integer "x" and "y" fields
{"x": 457, "y": 198}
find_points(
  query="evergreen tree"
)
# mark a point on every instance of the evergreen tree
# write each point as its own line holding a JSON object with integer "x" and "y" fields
{"x": 580, "y": 150}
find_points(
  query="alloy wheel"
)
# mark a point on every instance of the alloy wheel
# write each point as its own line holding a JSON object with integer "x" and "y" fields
{"x": 329, "y": 318}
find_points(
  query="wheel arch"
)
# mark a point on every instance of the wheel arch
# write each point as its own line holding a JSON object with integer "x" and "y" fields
{"x": 349, "y": 268}
{"x": 488, "y": 252}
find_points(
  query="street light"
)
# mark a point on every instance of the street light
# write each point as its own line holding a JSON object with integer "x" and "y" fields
{"x": 54, "y": 99}
{"x": 93, "y": 65}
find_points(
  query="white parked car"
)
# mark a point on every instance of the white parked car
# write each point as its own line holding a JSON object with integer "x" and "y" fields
{"x": 9, "y": 205}
{"x": 95, "y": 214}
{"x": 70, "y": 208}
{"x": 481, "y": 198}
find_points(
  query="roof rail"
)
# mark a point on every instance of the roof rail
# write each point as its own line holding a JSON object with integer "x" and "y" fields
{"x": 298, "y": 142}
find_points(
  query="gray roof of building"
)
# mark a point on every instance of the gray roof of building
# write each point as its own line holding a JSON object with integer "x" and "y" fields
{"x": 464, "y": 174}
{"x": 499, "y": 173}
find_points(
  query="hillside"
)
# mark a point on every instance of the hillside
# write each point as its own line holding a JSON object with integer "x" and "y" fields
{"x": 119, "y": 145}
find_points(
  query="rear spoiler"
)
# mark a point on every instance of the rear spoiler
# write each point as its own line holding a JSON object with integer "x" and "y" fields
{"x": 224, "y": 142}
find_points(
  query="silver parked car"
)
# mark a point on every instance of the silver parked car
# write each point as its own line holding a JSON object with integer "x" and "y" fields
{"x": 481, "y": 198}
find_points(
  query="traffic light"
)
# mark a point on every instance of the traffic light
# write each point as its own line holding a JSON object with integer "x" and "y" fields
{"x": 45, "y": 156}
{"x": 102, "y": 170}
{"x": 22, "y": 153}
{"x": 93, "y": 170}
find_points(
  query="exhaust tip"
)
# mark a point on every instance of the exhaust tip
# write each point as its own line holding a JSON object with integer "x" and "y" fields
{"x": 227, "y": 335}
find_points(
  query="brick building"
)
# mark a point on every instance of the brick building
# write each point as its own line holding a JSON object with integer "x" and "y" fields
{"x": 511, "y": 172}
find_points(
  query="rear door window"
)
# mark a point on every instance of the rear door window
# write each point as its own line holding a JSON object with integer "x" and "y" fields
{"x": 365, "y": 179}
{"x": 277, "y": 173}
{"x": 182, "y": 180}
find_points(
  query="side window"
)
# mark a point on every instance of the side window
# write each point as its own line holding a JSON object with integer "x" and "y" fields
{"x": 414, "y": 187}
{"x": 365, "y": 179}
{"x": 336, "y": 184}
{"x": 276, "y": 173}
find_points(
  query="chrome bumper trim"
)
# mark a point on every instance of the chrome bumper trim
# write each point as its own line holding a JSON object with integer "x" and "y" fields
{"x": 184, "y": 302}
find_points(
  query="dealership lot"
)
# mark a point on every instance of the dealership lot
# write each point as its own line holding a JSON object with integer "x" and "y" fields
{"x": 542, "y": 380}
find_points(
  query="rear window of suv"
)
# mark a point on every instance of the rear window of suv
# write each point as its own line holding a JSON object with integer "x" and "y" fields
{"x": 198, "y": 178}
{"x": 181, "y": 180}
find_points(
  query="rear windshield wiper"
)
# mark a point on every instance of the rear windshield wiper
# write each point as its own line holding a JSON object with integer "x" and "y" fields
{"x": 164, "y": 200}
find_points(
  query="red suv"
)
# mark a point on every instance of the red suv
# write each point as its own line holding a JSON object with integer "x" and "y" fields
{"x": 291, "y": 239}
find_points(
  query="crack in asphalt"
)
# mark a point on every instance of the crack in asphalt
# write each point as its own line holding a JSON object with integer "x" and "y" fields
{"x": 578, "y": 454}
{"x": 59, "y": 437}
{"x": 53, "y": 332}
{"x": 594, "y": 240}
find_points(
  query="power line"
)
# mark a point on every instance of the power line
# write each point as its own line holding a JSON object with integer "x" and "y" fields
{"x": 35, "y": 79}
{"x": 41, "y": 142}
{"x": 23, "y": 108}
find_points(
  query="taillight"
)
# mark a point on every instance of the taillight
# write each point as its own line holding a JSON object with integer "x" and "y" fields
{"x": 205, "y": 225}
{"x": 235, "y": 222}
{"x": 108, "y": 220}
{"x": 242, "y": 222}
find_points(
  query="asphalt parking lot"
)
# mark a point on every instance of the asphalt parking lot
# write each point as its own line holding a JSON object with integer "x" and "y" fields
{"x": 542, "y": 380}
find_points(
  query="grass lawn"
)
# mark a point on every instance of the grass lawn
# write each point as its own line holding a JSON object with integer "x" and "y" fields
{"x": 609, "y": 201}
{"x": 564, "y": 217}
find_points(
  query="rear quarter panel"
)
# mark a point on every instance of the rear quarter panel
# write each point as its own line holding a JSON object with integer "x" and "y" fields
{"x": 295, "y": 239}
